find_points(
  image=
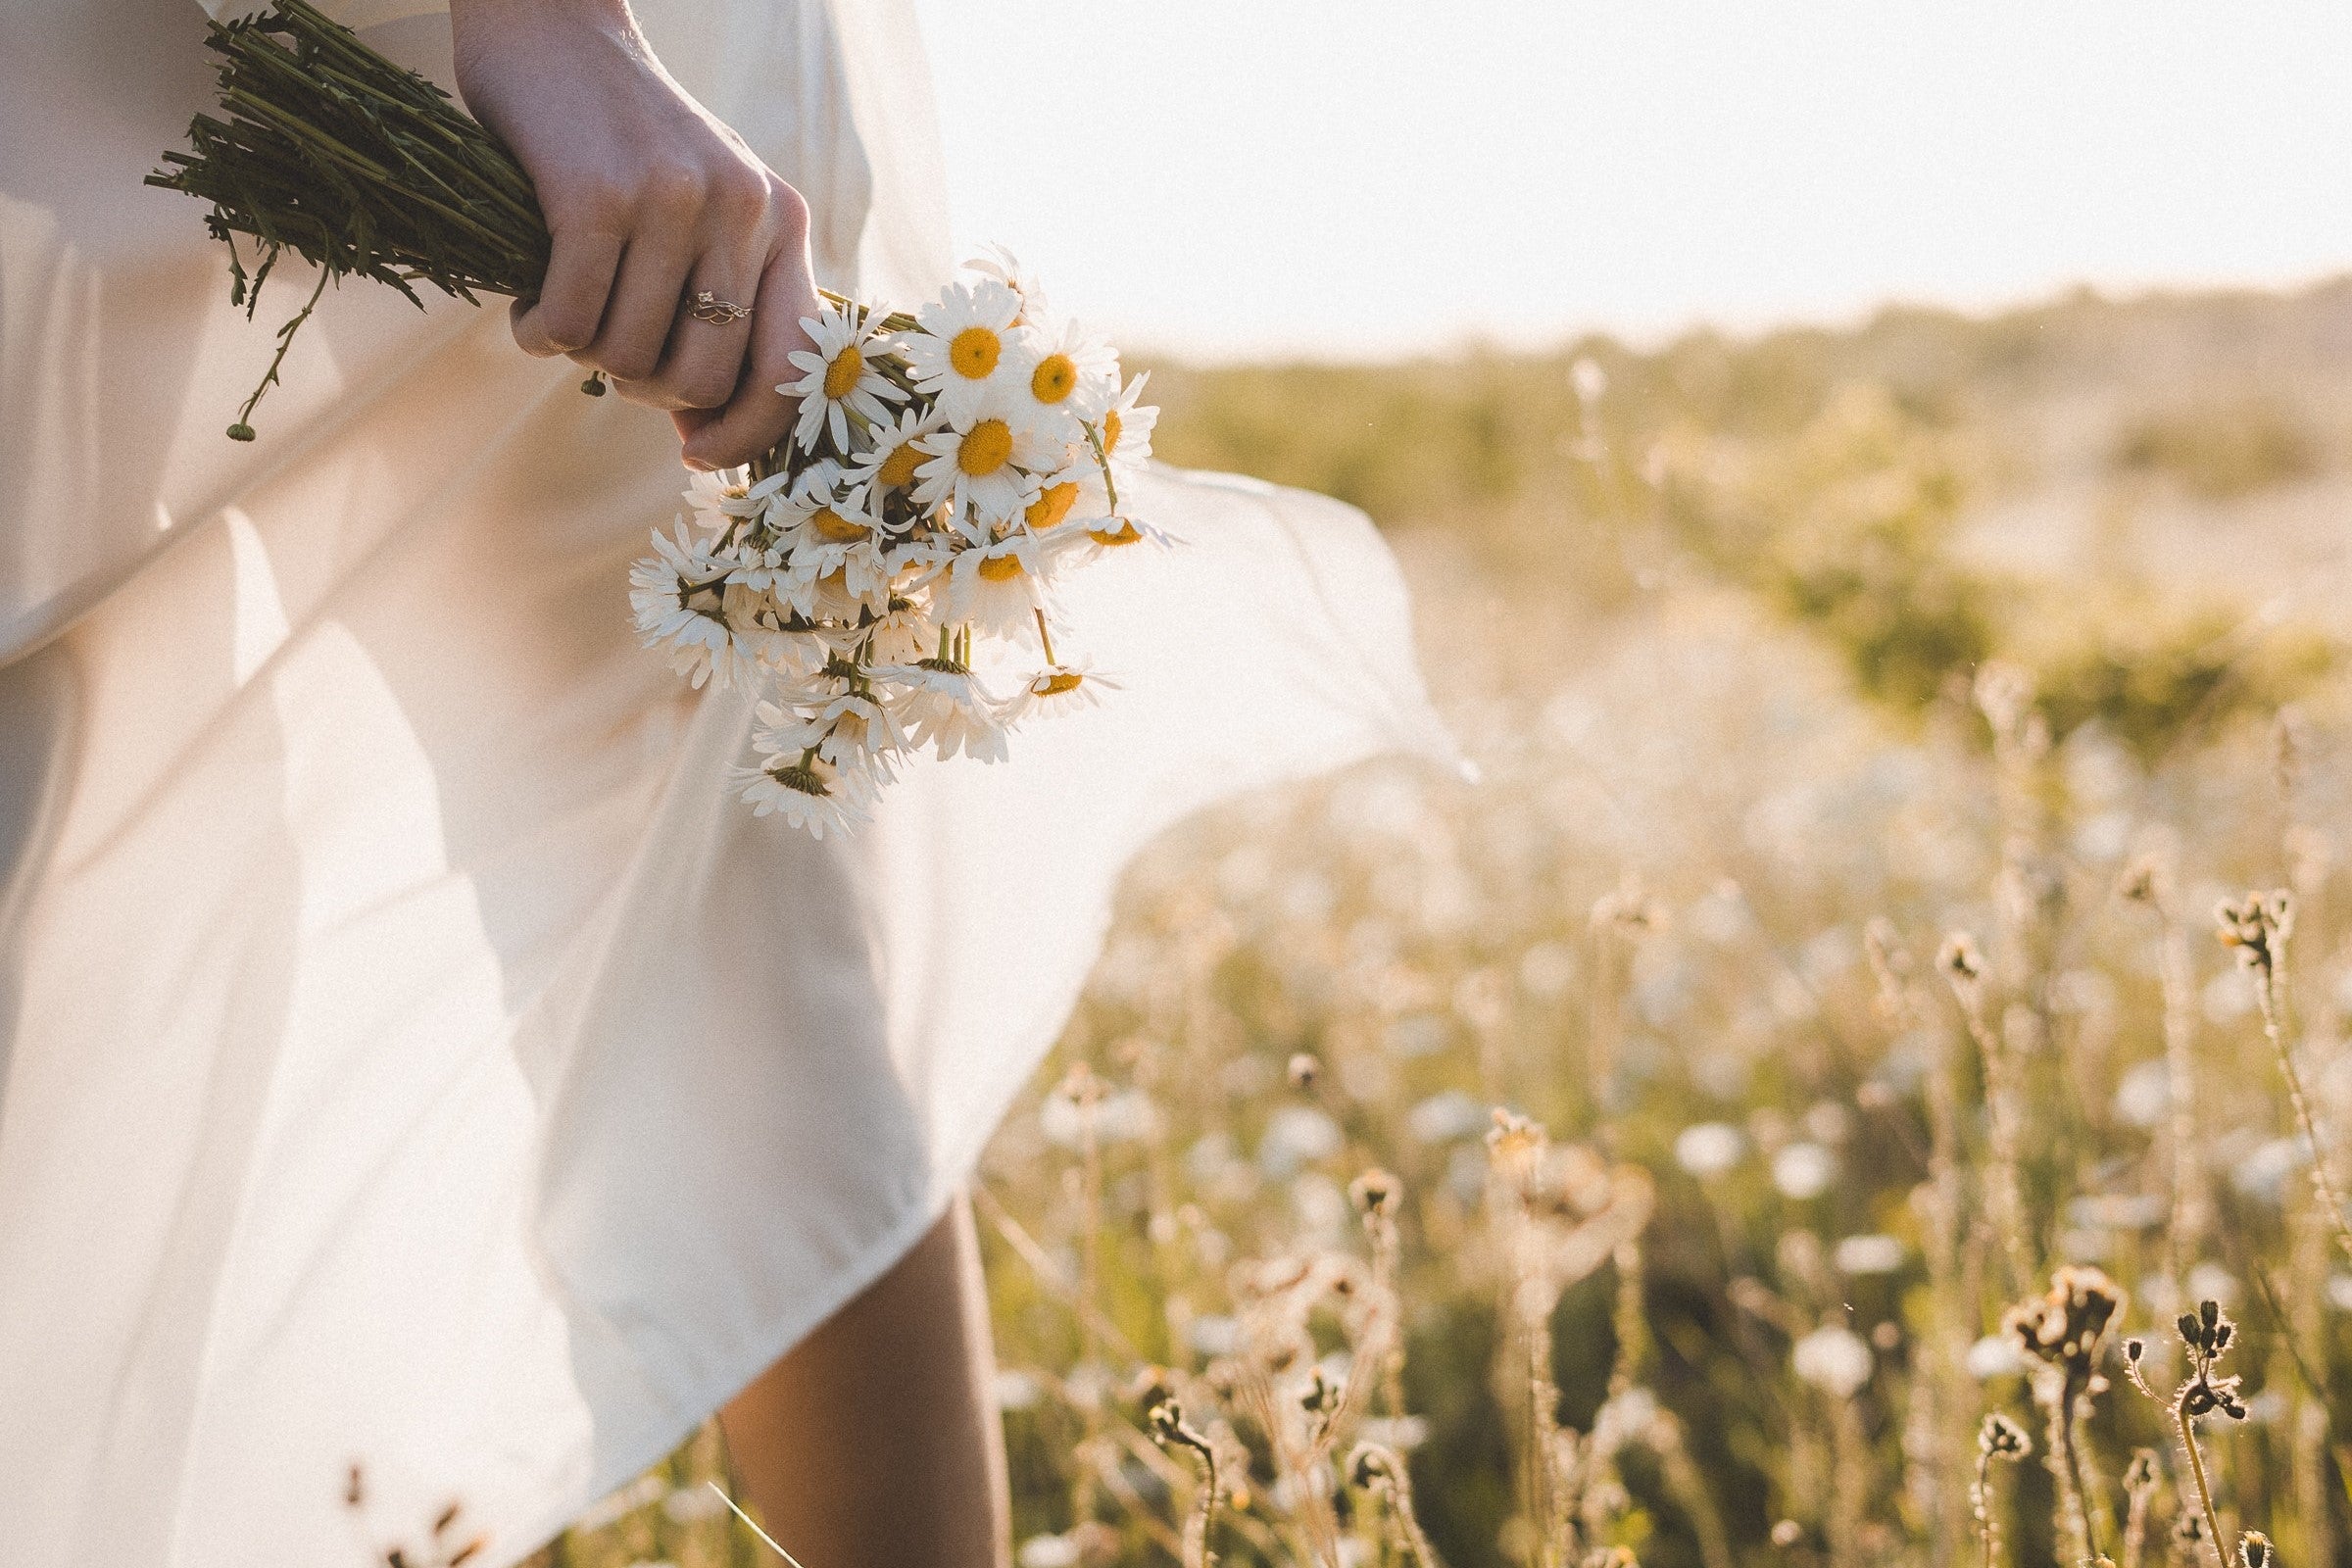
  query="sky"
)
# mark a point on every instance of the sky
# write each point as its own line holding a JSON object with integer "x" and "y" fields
{"x": 1354, "y": 178}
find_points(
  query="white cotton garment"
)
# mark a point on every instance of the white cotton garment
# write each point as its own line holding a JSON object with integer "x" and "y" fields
{"x": 410, "y": 1054}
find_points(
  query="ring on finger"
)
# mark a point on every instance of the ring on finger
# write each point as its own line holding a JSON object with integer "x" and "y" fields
{"x": 709, "y": 307}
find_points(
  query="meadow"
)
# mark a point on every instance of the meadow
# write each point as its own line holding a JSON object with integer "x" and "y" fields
{"x": 1794, "y": 1106}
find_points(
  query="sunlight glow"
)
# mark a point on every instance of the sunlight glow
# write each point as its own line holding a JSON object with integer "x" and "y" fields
{"x": 1359, "y": 176}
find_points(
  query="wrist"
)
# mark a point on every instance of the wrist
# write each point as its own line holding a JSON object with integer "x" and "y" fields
{"x": 598, "y": 15}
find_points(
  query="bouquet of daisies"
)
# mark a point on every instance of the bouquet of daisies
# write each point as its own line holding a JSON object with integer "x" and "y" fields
{"x": 938, "y": 481}
{"x": 883, "y": 581}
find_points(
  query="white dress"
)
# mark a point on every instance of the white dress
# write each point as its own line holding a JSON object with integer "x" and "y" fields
{"x": 408, "y": 1054}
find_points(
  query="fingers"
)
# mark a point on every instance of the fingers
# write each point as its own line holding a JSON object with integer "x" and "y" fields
{"x": 706, "y": 355}
{"x": 756, "y": 417}
{"x": 570, "y": 307}
{"x": 644, "y": 308}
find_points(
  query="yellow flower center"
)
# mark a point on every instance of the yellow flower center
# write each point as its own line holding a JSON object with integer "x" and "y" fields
{"x": 834, "y": 528}
{"x": 1111, "y": 432}
{"x": 1054, "y": 378}
{"x": 985, "y": 449}
{"x": 974, "y": 353}
{"x": 1053, "y": 508}
{"x": 1001, "y": 568}
{"x": 899, "y": 467}
{"x": 841, "y": 377}
{"x": 1055, "y": 683}
{"x": 1126, "y": 533}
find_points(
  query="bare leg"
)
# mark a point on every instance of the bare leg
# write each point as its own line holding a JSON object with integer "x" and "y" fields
{"x": 874, "y": 1443}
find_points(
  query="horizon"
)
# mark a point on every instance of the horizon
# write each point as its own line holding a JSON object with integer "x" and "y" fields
{"x": 1854, "y": 323}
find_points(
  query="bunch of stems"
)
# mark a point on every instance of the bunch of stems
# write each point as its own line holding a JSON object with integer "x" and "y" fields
{"x": 364, "y": 168}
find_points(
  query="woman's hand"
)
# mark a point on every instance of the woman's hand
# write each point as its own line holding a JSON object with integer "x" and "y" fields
{"x": 650, "y": 200}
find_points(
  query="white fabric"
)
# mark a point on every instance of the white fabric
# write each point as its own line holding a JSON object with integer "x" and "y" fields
{"x": 408, "y": 1055}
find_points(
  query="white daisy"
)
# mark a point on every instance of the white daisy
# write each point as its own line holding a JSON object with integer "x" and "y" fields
{"x": 982, "y": 468}
{"x": 808, "y": 793}
{"x": 1077, "y": 498}
{"x": 1125, "y": 428}
{"x": 891, "y": 463}
{"x": 946, "y": 707}
{"x": 962, "y": 343}
{"x": 1121, "y": 530}
{"x": 718, "y": 497}
{"x": 898, "y": 634}
{"x": 850, "y": 730}
{"x": 761, "y": 571}
{"x": 678, "y": 598}
{"x": 842, "y": 379}
{"x": 995, "y": 261}
{"x": 1058, "y": 688}
{"x": 1072, "y": 378}
{"x": 799, "y": 662}
{"x": 917, "y": 561}
{"x": 1000, "y": 589}
{"x": 828, "y": 532}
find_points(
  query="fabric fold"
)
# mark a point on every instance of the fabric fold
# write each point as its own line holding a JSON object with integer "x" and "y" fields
{"x": 410, "y": 1054}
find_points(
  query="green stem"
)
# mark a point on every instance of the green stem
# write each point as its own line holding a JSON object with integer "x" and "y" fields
{"x": 242, "y": 432}
{"x": 2323, "y": 1180}
{"x": 2196, "y": 1468}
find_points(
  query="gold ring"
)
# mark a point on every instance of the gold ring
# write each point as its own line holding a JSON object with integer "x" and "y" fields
{"x": 709, "y": 307}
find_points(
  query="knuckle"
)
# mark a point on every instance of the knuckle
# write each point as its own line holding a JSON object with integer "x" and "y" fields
{"x": 740, "y": 197}
{"x": 673, "y": 187}
{"x": 789, "y": 209}
{"x": 597, "y": 206}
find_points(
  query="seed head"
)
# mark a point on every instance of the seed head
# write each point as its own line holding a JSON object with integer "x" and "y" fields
{"x": 1081, "y": 1086}
{"x": 2063, "y": 1327}
{"x": 2207, "y": 1333}
{"x": 2001, "y": 1437}
{"x": 2257, "y": 926}
{"x": 1628, "y": 910}
{"x": 1373, "y": 1193}
{"x": 1374, "y": 1464}
{"x": 1513, "y": 1137}
{"x": 2254, "y": 1549}
{"x": 2003, "y": 691}
{"x": 2208, "y": 1330}
{"x": 2143, "y": 881}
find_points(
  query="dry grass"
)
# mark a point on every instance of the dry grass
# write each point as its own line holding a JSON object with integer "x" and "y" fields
{"x": 1792, "y": 1192}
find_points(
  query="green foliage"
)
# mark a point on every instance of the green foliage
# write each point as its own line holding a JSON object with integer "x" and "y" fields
{"x": 1839, "y": 477}
{"x": 2221, "y": 451}
{"x": 2152, "y": 673}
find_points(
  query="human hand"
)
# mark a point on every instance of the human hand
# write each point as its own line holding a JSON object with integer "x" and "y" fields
{"x": 650, "y": 199}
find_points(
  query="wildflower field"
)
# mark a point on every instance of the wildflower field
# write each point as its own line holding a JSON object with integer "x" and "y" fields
{"x": 1841, "y": 1088}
